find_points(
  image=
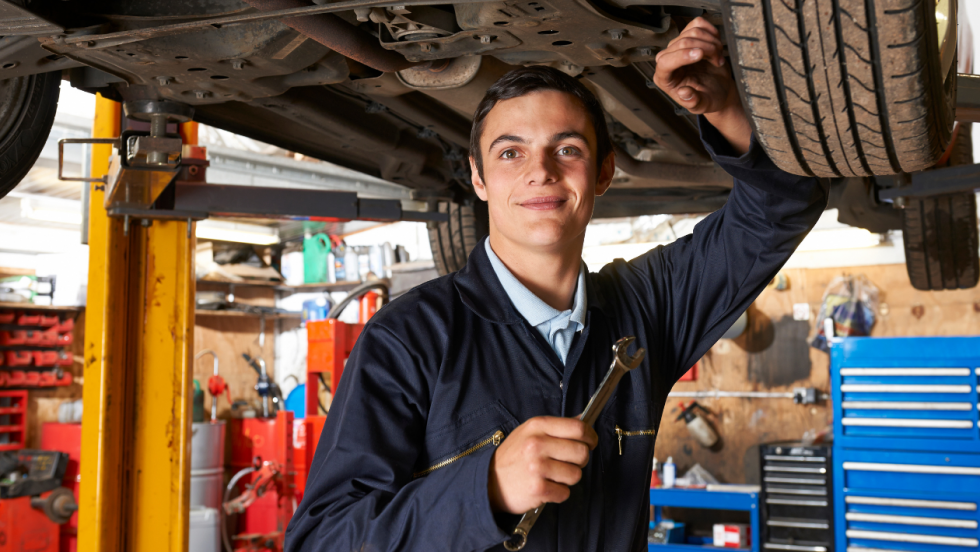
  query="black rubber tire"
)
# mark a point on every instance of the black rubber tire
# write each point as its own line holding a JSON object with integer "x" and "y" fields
{"x": 940, "y": 233}
{"x": 843, "y": 87}
{"x": 452, "y": 241}
{"x": 27, "y": 107}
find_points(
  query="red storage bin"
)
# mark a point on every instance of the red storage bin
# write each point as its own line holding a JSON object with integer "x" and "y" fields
{"x": 33, "y": 337}
{"x": 18, "y": 358}
{"x": 13, "y": 337}
{"x": 65, "y": 339}
{"x": 16, "y": 378}
{"x": 65, "y": 358}
{"x": 31, "y": 379}
{"x": 45, "y": 358}
{"x": 14, "y": 405}
{"x": 7, "y": 317}
{"x": 28, "y": 319}
{"x": 66, "y": 325}
{"x": 48, "y": 321}
{"x": 3, "y": 377}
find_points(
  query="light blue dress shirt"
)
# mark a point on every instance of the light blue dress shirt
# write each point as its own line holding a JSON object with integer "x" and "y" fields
{"x": 557, "y": 327}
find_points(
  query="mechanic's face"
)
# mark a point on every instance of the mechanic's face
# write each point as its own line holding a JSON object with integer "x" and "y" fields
{"x": 540, "y": 171}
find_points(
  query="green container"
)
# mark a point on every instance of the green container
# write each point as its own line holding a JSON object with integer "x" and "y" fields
{"x": 315, "y": 250}
{"x": 197, "y": 414}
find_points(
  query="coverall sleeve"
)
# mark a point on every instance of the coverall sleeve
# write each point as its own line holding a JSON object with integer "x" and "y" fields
{"x": 694, "y": 289}
{"x": 361, "y": 494}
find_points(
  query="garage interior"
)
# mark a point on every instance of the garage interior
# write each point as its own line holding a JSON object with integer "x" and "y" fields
{"x": 170, "y": 339}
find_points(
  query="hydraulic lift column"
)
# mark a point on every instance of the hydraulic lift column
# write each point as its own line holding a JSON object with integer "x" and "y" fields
{"x": 135, "y": 468}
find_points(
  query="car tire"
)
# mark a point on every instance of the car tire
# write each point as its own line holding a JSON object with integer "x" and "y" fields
{"x": 452, "y": 241}
{"x": 27, "y": 107}
{"x": 845, "y": 87}
{"x": 941, "y": 235}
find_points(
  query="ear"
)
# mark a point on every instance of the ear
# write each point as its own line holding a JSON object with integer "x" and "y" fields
{"x": 606, "y": 172}
{"x": 478, "y": 186}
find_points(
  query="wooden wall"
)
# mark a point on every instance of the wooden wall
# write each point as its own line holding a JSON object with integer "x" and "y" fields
{"x": 774, "y": 355}
{"x": 229, "y": 335}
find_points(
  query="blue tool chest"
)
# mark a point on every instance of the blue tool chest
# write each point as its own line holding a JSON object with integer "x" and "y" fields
{"x": 906, "y": 455}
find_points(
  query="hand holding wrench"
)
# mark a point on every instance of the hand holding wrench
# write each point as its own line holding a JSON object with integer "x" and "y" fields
{"x": 622, "y": 363}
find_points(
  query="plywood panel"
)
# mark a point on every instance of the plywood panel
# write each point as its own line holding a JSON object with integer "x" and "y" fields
{"x": 774, "y": 355}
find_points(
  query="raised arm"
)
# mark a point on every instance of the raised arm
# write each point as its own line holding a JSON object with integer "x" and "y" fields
{"x": 695, "y": 288}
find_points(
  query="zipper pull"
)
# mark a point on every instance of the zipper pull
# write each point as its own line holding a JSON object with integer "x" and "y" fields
{"x": 619, "y": 436}
{"x": 497, "y": 437}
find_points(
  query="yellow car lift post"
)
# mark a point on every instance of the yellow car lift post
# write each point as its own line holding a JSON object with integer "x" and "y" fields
{"x": 139, "y": 328}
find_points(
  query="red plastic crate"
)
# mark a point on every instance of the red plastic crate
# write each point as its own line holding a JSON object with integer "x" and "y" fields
{"x": 66, "y": 325}
{"x": 15, "y": 428}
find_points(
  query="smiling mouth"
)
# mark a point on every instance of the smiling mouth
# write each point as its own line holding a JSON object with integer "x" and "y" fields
{"x": 543, "y": 203}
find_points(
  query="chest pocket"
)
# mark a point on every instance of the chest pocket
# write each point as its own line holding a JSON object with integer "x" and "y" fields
{"x": 627, "y": 435}
{"x": 469, "y": 433}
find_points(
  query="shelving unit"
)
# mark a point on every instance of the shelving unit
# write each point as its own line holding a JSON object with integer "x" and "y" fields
{"x": 707, "y": 500}
{"x": 32, "y": 307}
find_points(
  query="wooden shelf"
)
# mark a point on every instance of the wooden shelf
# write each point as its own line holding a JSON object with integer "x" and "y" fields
{"x": 243, "y": 314}
{"x": 31, "y": 306}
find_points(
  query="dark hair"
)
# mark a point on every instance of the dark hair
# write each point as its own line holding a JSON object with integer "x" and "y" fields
{"x": 523, "y": 81}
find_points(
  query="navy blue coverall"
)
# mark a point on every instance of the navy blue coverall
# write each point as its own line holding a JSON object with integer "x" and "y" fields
{"x": 403, "y": 460}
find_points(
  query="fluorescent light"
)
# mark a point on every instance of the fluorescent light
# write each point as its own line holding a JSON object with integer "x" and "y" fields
{"x": 63, "y": 211}
{"x": 842, "y": 238}
{"x": 237, "y": 232}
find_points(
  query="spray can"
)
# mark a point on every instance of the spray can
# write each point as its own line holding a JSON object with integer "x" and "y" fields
{"x": 655, "y": 480}
{"x": 697, "y": 426}
{"x": 670, "y": 473}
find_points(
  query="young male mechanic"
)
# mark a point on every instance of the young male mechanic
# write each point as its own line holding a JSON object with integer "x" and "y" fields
{"x": 456, "y": 410}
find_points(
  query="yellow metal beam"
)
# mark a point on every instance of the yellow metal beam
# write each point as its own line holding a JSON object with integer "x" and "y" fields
{"x": 138, "y": 374}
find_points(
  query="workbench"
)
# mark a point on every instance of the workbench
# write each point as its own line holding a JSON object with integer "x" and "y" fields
{"x": 707, "y": 500}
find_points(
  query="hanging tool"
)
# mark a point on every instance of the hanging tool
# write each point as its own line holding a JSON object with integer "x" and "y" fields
{"x": 696, "y": 425}
{"x": 216, "y": 384}
{"x": 622, "y": 363}
{"x": 265, "y": 387}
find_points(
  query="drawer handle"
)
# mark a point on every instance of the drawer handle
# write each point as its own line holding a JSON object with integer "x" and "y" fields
{"x": 905, "y": 371}
{"x": 798, "y": 524}
{"x": 793, "y": 547}
{"x": 867, "y": 388}
{"x": 794, "y": 481}
{"x": 911, "y": 503}
{"x": 907, "y": 422}
{"x": 896, "y": 405}
{"x": 775, "y": 458}
{"x": 787, "y": 490}
{"x": 912, "y": 520}
{"x": 794, "y": 469}
{"x": 910, "y": 468}
{"x": 909, "y": 537}
{"x": 790, "y": 502}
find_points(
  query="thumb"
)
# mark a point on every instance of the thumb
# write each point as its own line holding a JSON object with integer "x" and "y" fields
{"x": 687, "y": 96}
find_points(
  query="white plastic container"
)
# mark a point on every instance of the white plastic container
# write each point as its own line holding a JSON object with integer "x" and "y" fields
{"x": 204, "y": 530}
{"x": 670, "y": 473}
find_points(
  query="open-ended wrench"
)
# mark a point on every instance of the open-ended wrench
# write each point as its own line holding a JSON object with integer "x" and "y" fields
{"x": 622, "y": 363}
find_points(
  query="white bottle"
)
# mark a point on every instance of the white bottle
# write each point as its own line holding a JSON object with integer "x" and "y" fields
{"x": 670, "y": 473}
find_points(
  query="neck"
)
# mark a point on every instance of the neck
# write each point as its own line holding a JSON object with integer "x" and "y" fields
{"x": 549, "y": 274}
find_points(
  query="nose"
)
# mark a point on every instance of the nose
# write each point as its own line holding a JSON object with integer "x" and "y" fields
{"x": 542, "y": 169}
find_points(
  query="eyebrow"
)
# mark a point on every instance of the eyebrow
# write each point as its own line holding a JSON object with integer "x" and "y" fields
{"x": 568, "y": 134}
{"x": 506, "y": 138}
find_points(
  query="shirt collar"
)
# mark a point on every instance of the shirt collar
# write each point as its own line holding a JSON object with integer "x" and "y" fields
{"x": 529, "y": 305}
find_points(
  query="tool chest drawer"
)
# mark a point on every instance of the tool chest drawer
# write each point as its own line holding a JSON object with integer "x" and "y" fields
{"x": 907, "y": 393}
{"x": 891, "y": 499}
{"x": 796, "y": 498}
